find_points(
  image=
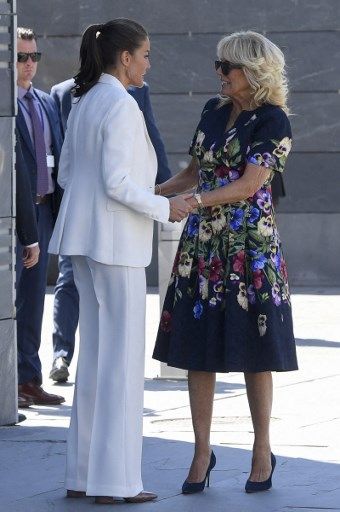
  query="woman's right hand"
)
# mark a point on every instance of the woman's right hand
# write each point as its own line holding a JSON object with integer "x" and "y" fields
{"x": 179, "y": 207}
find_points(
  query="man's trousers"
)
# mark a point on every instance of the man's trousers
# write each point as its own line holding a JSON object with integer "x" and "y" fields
{"x": 65, "y": 311}
{"x": 30, "y": 299}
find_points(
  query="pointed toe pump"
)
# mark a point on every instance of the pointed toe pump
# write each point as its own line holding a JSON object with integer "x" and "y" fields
{"x": 261, "y": 486}
{"x": 192, "y": 488}
{"x": 142, "y": 497}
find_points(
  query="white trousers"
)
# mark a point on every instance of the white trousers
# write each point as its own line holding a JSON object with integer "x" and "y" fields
{"x": 104, "y": 447}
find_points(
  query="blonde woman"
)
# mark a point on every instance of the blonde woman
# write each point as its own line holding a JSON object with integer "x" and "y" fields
{"x": 227, "y": 307}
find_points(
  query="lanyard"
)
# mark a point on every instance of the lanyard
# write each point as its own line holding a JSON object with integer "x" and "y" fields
{"x": 29, "y": 113}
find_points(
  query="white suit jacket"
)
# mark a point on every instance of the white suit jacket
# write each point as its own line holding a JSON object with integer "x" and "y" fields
{"x": 108, "y": 168}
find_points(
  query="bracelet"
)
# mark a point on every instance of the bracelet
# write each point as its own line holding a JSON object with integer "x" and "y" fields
{"x": 199, "y": 200}
{"x": 158, "y": 191}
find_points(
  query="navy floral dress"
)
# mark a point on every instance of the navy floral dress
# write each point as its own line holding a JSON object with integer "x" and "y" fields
{"x": 227, "y": 307}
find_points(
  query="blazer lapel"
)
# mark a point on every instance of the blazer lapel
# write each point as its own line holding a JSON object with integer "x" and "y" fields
{"x": 46, "y": 108}
{"x": 152, "y": 151}
{"x": 22, "y": 127}
{"x": 51, "y": 119}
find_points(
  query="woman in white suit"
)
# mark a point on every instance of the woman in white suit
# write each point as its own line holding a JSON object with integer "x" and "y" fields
{"x": 108, "y": 169}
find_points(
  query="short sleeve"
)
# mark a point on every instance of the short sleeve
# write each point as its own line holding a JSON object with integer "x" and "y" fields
{"x": 271, "y": 141}
{"x": 199, "y": 134}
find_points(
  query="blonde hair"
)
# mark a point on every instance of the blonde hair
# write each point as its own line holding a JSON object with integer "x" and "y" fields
{"x": 263, "y": 64}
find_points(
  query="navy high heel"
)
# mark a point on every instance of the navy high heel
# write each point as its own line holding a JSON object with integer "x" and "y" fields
{"x": 192, "y": 488}
{"x": 261, "y": 486}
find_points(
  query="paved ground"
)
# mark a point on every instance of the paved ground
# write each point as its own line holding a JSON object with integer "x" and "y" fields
{"x": 305, "y": 432}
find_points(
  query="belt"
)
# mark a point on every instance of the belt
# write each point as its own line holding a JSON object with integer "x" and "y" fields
{"x": 41, "y": 199}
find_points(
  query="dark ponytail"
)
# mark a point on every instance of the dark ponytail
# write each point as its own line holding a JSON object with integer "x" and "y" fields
{"x": 91, "y": 62}
{"x": 100, "y": 47}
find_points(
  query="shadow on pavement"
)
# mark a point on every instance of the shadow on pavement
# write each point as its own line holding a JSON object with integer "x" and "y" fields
{"x": 182, "y": 385}
{"x": 317, "y": 343}
{"x": 32, "y": 475}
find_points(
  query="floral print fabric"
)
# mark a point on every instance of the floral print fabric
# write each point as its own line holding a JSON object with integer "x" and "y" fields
{"x": 228, "y": 306}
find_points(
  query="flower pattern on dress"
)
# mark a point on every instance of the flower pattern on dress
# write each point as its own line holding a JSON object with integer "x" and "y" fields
{"x": 261, "y": 322}
{"x": 283, "y": 148}
{"x": 234, "y": 248}
{"x": 227, "y": 307}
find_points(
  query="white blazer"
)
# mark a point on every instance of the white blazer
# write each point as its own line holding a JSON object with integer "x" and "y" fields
{"x": 108, "y": 169}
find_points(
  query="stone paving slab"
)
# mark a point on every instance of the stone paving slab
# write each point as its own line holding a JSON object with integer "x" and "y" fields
{"x": 305, "y": 427}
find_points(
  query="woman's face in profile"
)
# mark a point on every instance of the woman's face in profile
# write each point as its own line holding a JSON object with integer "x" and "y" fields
{"x": 139, "y": 64}
{"x": 234, "y": 83}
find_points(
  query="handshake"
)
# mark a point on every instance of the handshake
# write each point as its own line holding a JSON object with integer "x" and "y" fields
{"x": 181, "y": 206}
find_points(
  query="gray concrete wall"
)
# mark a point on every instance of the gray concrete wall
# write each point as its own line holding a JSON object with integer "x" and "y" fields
{"x": 184, "y": 35}
{"x": 8, "y": 357}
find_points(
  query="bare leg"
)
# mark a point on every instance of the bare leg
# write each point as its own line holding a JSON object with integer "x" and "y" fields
{"x": 260, "y": 398}
{"x": 201, "y": 391}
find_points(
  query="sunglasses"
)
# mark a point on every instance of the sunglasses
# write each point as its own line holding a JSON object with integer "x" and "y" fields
{"x": 226, "y": 66}
{"x": 23, "y": 57}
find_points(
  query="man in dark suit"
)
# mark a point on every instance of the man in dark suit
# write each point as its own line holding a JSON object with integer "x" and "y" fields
{"x": 66, "y": 300}
{"x": 40, "y": 136}
{"x": 26, "y": 228}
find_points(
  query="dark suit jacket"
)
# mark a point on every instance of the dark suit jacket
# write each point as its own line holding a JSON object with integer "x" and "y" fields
{"x": 28, "y": 152}
{"x": 61, "y": 93}
{"x": 26, "y": 224}
{"x": 278, "y": 188}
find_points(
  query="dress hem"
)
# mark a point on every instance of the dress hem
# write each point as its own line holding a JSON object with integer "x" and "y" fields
{"x": 229, "y": 369}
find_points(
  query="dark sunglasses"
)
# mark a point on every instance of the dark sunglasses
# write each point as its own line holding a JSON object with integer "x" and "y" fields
{"x": 23, "y": 57}
{"x": 226, "y": 66}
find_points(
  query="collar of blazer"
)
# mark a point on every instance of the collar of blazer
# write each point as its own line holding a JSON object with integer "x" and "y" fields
{"x": 106, "y": 78}
{"x": 22, "y": 128}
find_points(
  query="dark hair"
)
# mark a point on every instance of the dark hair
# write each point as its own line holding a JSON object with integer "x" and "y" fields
{"x": 26, "y": 33}
{"x": 100, "y": 47}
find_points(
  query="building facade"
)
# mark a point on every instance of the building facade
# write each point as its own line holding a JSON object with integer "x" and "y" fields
{"x": 8, "y": 353}
{"x": 183, "y": 37}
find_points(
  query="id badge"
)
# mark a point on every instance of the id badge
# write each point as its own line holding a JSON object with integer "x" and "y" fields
{"x": 50, "y": 161}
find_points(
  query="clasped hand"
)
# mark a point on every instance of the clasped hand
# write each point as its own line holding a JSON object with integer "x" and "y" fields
{"x": 180, "y": 207}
